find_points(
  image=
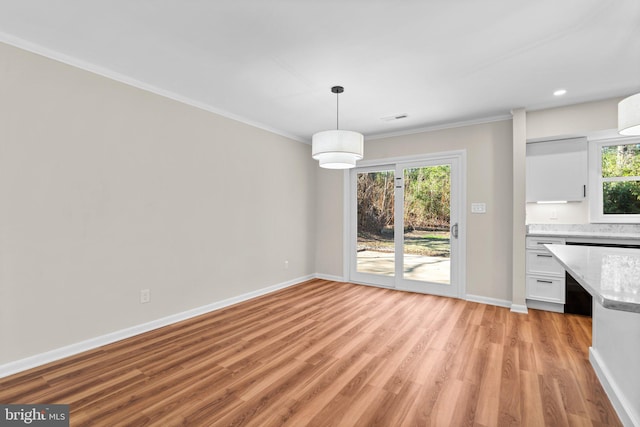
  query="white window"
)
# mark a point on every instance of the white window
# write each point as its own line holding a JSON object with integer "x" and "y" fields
{"x": 614, "y": 180}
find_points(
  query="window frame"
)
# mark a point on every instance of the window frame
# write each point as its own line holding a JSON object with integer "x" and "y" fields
{"x": 596, "y": 208}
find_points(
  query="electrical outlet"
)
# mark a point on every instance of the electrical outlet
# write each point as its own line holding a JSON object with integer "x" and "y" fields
{"x": 286, "y": 265}
{"x": 145, "y": 296}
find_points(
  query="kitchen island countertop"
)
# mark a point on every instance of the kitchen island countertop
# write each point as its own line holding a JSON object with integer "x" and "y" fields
{"x": 610, "y": 275}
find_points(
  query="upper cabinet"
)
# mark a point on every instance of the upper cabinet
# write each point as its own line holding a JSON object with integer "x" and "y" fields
{"x": 557, "y": 170}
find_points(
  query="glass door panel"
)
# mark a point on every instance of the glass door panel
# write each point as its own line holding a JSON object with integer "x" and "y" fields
{"x": 426, "y": 244}
{"x": 375, "y": 249}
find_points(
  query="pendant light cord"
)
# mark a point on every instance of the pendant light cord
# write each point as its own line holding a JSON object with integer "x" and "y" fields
{"x": 337, "y": 111}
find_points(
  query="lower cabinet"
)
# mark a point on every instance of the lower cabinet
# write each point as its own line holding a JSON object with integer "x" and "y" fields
{"x": 545, "y": 277}
{"x": 550, "y": 289}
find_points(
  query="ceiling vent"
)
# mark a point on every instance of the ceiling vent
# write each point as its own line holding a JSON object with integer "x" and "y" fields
{"x": 395, "y": 117}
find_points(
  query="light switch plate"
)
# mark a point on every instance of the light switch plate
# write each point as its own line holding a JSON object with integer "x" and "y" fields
{"x": 478, "y": 207}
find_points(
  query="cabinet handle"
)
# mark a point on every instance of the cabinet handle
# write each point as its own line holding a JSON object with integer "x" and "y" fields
{"x": 544, "y": 256}
{"x": 584, "y": 191}
{"x": 544, "y": 281}
{"x": 544, "y": 243}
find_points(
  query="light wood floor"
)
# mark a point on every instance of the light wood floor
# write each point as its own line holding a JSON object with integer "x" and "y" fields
{"x": 325, "y": 353}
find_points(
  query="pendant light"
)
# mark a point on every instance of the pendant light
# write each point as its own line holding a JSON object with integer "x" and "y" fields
{"x": 337, "y": 149}
{"x": 629, "y": 115}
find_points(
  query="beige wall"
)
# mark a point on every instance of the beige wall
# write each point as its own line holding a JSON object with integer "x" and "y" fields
{"x": 573, "y": 120}
{"x": 489, "y": 178}
{"x": 106, "y": 189}
{"x": 329, "y": 226}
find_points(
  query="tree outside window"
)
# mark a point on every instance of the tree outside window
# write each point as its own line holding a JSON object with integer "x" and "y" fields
{"x": 614, "y": 181}
{"x": 620, "y": 177}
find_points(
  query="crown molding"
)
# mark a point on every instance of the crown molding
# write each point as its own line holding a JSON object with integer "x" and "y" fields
{"x": 119, "y": 77}
{"x": 490, "y": 119}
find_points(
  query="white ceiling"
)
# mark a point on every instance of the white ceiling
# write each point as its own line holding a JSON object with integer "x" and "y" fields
{"x": 271, "y": 63}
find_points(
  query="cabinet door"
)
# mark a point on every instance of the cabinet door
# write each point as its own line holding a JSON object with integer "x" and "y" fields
{"x": 550, "y": 289}
{"x": 557, "y": 170}
{"x": 542, "y": 262}
{"x": 538, "y": 242}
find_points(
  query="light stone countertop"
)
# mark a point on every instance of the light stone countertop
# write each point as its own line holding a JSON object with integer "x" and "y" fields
{"x": 586, "y": 234}
{"x": 610, "y": 275}
{"x": 596, "y": 232}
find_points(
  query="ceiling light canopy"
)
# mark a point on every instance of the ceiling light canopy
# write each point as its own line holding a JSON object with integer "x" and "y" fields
{"x": 629, "y": 115}
{"x": 337, "y": 149}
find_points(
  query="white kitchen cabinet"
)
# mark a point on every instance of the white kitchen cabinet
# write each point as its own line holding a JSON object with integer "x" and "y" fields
{"x": 545, "y": 277}
{"x": 548, "y": 289}
{"x": 542, "y": 262}
{"x": 557, "y": 170}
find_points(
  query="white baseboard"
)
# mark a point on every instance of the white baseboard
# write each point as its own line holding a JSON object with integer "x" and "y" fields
{"x": 623, "y": 407}
{"x": 518, "y": 308}
{"x": 329, "y": 277}
{"x": 488, "y": 301}
{"x": 73, "y": 349}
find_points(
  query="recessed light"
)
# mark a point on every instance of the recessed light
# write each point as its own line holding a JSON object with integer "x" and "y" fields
{"x": 559, "y": 92}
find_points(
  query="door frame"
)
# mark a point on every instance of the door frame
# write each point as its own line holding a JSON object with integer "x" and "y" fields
{"x": 348, "y": 227}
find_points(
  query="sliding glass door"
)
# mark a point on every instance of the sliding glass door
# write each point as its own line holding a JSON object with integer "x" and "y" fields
{"x": 405, "y": 225}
